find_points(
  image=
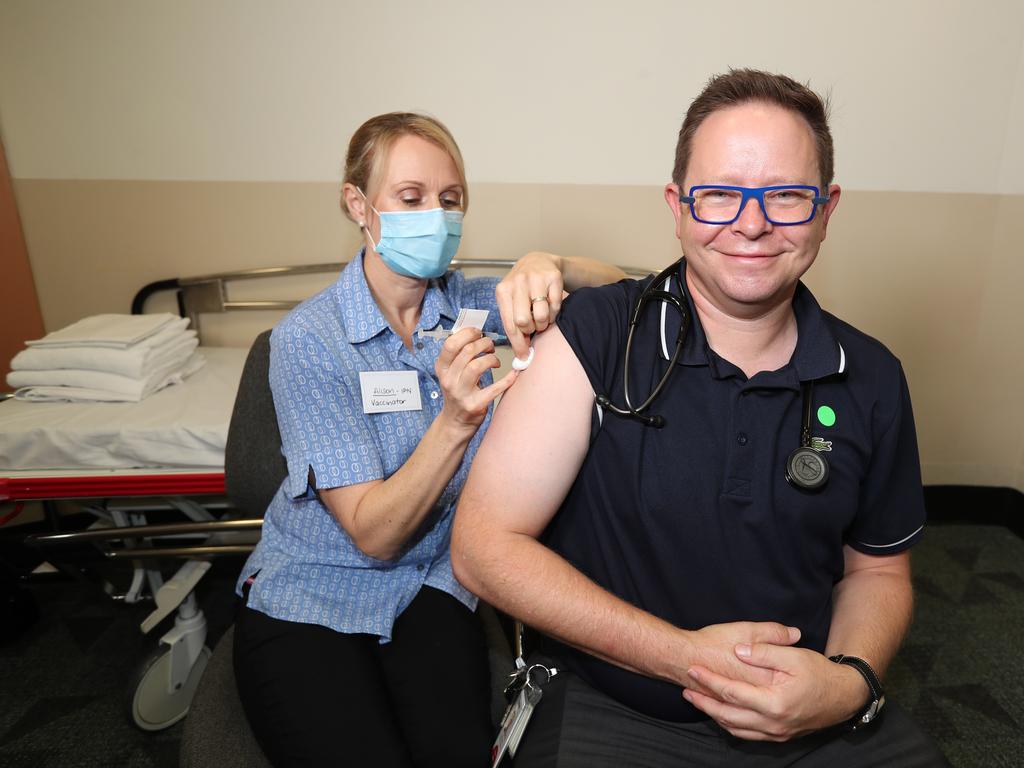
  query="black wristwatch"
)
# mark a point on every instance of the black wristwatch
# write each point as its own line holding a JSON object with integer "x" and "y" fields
{"x": 876, "y": 699}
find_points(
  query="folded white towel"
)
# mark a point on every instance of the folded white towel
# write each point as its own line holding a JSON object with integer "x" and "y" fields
{"x": 71, "y": 377}
{"x": 96, "y": 386}
{"x": 136, "y": 361}
{"x": 117, "y": 331}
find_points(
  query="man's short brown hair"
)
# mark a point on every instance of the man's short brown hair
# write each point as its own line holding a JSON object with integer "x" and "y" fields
{"x": 740, "y": 86}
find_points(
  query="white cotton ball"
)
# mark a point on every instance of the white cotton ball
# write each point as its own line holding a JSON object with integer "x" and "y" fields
{"x": 522, "y": 365}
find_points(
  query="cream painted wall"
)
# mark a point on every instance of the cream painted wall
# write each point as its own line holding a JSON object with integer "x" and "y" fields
{"x": 942, "y": 296}
{"x": 928, "y": 94}
{"x": 150, "y": 139}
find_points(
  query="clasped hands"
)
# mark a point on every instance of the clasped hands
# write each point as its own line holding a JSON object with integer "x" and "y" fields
{"x": 751, "y": 680}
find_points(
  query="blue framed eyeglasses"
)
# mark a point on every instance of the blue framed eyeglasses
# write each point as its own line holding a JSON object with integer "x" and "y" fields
{"x": 783, "y": 205}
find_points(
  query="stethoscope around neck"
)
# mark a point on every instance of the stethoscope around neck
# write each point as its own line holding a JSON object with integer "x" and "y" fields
{"x": 652, "y": 293}
{"x": 806, "y": 467}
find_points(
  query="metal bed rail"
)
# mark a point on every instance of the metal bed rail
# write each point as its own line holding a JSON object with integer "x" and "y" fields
{"x": 101, "y": 536}
{"x": 209, "y": 293}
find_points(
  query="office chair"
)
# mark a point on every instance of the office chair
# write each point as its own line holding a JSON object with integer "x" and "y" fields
{"x": 217, "y": 734}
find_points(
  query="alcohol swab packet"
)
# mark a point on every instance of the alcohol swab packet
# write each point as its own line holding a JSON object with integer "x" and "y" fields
{"x": 470, "y": 318}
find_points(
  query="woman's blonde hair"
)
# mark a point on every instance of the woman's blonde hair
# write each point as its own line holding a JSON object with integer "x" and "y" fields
{"x": 370, "y": 144}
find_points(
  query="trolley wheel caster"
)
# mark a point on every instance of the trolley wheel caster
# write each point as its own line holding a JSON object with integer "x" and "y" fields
{"x": 150, "y": 705}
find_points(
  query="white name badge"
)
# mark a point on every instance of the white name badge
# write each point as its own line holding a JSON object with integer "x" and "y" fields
{"x": 387, "y": 391}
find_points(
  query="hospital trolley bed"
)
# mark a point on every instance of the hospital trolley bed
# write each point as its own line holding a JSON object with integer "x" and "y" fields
{"x": 124, "y": 463}
{"x": 130, "y": 463}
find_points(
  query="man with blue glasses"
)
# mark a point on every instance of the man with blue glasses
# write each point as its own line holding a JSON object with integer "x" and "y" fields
{"x": 703, "y": 492}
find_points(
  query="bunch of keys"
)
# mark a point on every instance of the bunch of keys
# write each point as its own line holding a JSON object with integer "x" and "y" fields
{"x": 524, "y": 691}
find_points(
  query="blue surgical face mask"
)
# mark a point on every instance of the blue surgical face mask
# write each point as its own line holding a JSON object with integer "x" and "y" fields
{"x": 419, "y": 243}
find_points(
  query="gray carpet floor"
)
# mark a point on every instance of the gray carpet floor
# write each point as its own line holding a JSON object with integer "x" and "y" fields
{"x": 961, "y": 669}
{"x": 64, "y": 682}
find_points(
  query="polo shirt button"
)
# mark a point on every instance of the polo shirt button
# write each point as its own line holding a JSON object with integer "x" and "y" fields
{"x": 433, "y": 395}
{"x": 419, "y": 345}
{"x": 741, "y": 438}
{"x": 419, "y": 567}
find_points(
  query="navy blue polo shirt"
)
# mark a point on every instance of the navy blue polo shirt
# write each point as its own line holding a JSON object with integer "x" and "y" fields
{"x": 695, "y": 522}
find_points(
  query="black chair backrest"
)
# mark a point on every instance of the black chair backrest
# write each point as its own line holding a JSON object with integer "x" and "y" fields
{"x": 253, "y": 464}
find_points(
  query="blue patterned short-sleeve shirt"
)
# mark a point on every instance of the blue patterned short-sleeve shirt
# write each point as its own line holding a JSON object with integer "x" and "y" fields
{"x": 309, "y": 569}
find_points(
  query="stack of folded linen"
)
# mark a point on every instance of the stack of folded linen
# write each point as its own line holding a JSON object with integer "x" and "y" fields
{"x": 107, "y": 358}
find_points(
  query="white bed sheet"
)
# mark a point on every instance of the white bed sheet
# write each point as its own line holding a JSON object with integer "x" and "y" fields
{"x": 182, "y": 426}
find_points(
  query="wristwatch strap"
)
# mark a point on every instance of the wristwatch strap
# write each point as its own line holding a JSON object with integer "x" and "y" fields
{"x": 877, "y": 696}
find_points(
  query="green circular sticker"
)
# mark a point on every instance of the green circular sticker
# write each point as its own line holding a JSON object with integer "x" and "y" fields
{"x": 826, "y": 416}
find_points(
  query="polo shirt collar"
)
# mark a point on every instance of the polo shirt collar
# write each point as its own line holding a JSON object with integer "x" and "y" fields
{"x": 362, "y": 318}
{"x": 818, "y": 354}
{"x": 695, "y": 347}
{"x": 696, "y": 351}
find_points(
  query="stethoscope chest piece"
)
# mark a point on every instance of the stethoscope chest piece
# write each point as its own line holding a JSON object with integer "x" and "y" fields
{"x": 806, "y": 468}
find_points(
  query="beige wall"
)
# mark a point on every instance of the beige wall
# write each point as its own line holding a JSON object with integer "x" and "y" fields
{"x": 943, "y": 296}
{"x": 20, "y": 316}
{"x": 149, "y": 139}
{"x": 927, "y": 94}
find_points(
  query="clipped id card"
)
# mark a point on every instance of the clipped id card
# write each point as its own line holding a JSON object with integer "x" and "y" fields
{"x": 513, "y": 724}
{"x": 525, "y": 685}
